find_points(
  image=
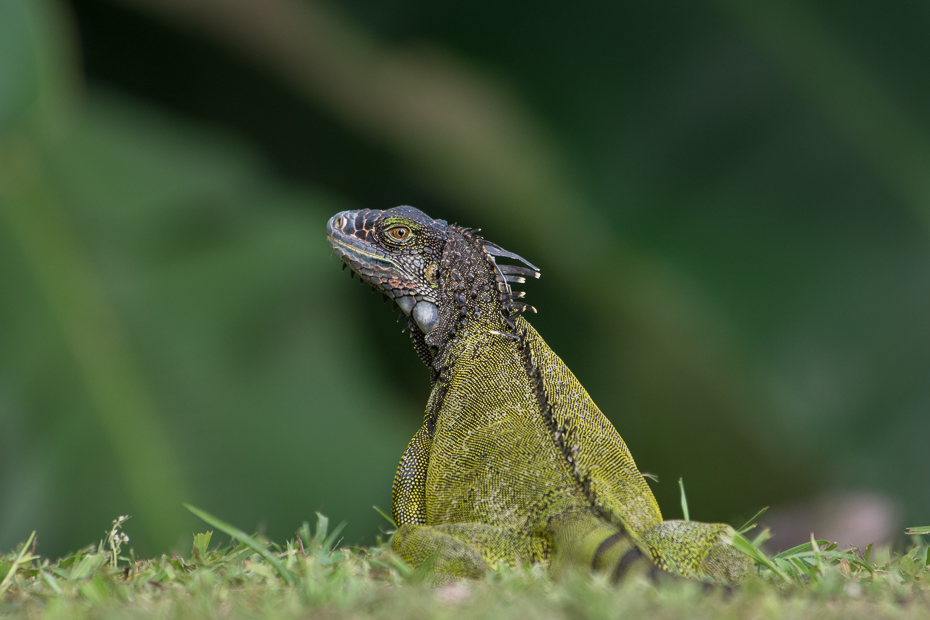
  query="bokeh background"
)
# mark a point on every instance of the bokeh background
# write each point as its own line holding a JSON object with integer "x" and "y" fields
{"x": 729, "y": 202}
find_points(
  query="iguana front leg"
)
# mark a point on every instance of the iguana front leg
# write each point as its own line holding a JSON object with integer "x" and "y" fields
{"x": 457, "y": 550}
{"x": 408, "y": 505}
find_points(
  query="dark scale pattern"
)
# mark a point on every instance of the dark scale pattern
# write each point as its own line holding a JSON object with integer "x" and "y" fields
{"x": 514, "y": 462}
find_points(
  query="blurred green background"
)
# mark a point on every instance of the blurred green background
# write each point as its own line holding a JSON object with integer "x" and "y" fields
{"x": 729, "y": 202}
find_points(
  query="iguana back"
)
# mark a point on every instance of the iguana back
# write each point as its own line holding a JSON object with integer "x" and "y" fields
{"x": 514, "y": 462}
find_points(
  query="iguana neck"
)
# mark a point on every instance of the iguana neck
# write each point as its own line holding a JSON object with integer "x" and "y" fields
{"x": 472, "y": 302}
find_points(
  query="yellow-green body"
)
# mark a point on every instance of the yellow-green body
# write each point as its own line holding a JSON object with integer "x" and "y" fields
{"x": 489, "y": 484}
{"x": 514, "y": 462}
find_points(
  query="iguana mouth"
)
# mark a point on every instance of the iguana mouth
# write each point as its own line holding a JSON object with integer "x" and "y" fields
{"x": 376, "y": 269}
{"x": 352, "y": 250}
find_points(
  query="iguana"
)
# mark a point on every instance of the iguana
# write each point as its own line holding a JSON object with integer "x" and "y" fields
{"x": 514, "y": 462}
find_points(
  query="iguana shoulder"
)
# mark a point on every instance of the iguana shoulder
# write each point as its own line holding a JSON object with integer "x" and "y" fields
{"x": 514, "y": 462}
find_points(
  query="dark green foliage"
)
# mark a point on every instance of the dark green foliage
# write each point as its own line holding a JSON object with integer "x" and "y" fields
{"x": 727, "y": 212}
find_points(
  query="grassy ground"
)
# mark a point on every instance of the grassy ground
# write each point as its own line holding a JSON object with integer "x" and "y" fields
{"x": 311, "y": 577}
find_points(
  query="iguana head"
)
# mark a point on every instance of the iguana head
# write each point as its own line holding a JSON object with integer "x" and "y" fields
{"x": 397, "y": 251}
{"x": 438, "y": 273}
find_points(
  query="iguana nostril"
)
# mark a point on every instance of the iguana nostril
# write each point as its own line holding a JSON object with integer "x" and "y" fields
{"x": 337, "y": 222}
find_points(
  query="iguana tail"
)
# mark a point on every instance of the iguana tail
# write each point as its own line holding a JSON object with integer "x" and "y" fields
{"x": 687, "y": 548}
{"x": 582, "y": 540}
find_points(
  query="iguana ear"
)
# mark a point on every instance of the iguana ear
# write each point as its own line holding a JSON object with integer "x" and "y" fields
{"x": 507, "y": 275}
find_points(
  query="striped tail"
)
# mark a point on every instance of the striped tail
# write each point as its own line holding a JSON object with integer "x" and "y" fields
{"x": 687, "y": 548}
{"x": 582, "y": 540}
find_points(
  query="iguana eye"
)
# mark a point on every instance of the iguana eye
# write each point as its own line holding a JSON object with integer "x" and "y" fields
{"x": 399, "y": 233}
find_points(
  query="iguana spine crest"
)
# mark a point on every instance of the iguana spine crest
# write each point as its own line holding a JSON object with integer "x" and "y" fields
{"x": 562, "y": 436}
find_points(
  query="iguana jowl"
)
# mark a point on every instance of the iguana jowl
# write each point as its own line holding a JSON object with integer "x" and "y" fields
{"x": 514, "y": 462}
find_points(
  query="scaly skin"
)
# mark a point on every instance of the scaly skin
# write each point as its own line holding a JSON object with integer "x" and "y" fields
{"x": 514, "y": 462}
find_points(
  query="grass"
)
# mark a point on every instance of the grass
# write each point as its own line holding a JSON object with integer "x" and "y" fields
{"x": 311, "y": 576}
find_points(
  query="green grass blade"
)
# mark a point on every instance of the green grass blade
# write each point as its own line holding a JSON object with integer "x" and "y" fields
{"x": 742, "y": 544}
{"x": 322, "y": 527}
{"x": 761, "y": 537}
{"x": 51, "y": 582}
{"x": 237, "y": 534}
{"x": 684, "y": 499}
{"x": 329, "y": 544}
{"x": 88, "y": 565}
{"x": 304, "y": 536}
{"x": 20, "y": 559}
{"x": 804, "y": 548}
{"x": 830, "y": 556}
{"x": 817, "y": 555}
{"x": 752, "y": 521}
{"x": 386, "y": 516}
{"x": 917, "y": 531}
